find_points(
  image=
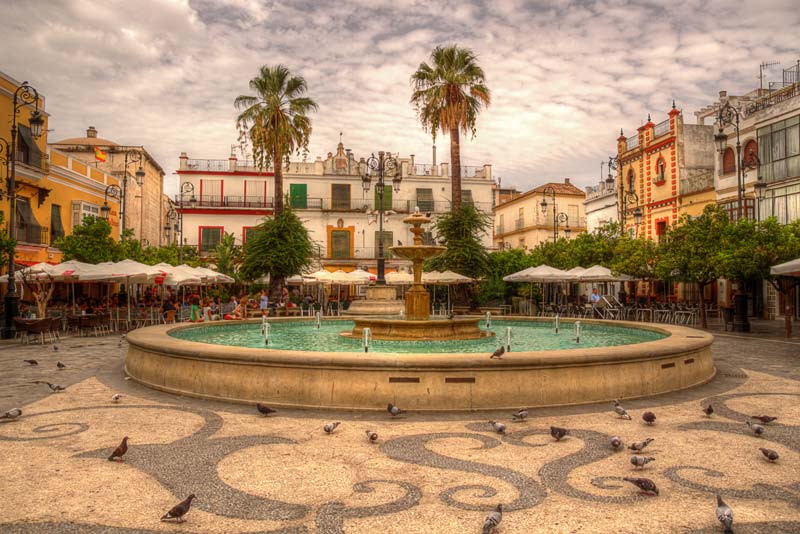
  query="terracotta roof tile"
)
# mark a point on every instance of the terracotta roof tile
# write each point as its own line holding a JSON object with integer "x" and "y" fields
{"x": 560, "y": 188}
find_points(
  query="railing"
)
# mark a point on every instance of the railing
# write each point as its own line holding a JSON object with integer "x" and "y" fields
{"x": 661, "y": 128}
{"x": 32, "y": 234}
{"x": 632, "y": 142}
{"x": 424, "y": 170}
{"x": 216, "y": 201}
{"x": 500, "y": 230}
{"x": 774, "y": 98}
{"x": 696, "y": 183}
{"x": 519, "y": 224}
{"x": 210, "y": 165}
{"x": 471, "y": 171}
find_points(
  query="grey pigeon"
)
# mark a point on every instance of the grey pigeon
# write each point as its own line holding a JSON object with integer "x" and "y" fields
{"x": 616, "y": 443}
{"x": 266, "y": 410}
{"x": 372, "y": 436}
{"x": 330, "y": 427}
{"x": 493, "y": 519}
{"x": 769, "y": 454}
{"x": 116, "y": 397}
{"x": 11, "y": 414}
{"x": 32, "y": 362}
{"x": 708, "y": 410}
{"x": 640, "y": 445}
{"x": 520, "y": 415}
{"x": 120, "y": 451}
{"x": 765, "y": 419}
{"x": 55, "y": 347}
{"x": 558, "y": 433}
{"x": 645, "y": 484}
{"x": 428, "y": 214}
{"x": 622, "y": 412}
{"x": 179, "y": 510}
{"x": 394, "y": 410}
{"x": 755, "y": 427}
{"x": 399, "y": 243}
{"x": 498, "y": 353}
{"x": 649, "y": 417}
{"x": 61, "y": 366}
{"x": 725, "y": 515}
{"x": 500, "y": 428}
{"x": 53, "y": 387}
{"x": 641, "y": 461}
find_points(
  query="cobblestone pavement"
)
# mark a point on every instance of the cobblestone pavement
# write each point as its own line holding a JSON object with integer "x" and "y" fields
{"x": 432, "y": 473}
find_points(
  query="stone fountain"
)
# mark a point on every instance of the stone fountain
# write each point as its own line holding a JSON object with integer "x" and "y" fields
{"x": 417, "y": 323}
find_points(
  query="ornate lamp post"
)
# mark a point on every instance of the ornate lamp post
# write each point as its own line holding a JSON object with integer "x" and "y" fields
{"x": 760, "y": 188}
{"x": 23, "y": 96}
{"x": 112, "y": 191}
{"x": 729, "y": 116}
{"x": 557, "y": 217}
{"x": 187, "y": 188}
{"x": 625, "y": 199}
{"x": 170, "y": 224}
{"x": 382, "y": 167}
{"x": 130, "y": 157}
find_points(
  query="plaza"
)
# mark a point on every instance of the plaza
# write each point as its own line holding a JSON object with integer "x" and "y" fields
{"x": 426, "y": 473}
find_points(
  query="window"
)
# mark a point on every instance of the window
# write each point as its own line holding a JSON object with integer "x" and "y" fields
{"x": 255, "y": 193}
{"x": 387, "y": 197}
{"x": 210, "y": 236}
{"x": 521, "y": 243}
{"x": 56, "y": 226}
{"x": 750, "y": 154}
{"x": 298, "y": 196}
{"x": 732, "y": 207}
{"x": 661, "y": 171}
{"x": 340, "y": 196}
{"x": 466, "y": 196}
{"x": 81, "y": 210}
{"x": 779, "y": 149}
{"x": 28, "y": 229}
{"x": 27, "y": 151}
{"x": 631, "y": 180}
{"x": 388, "y": 241}
{"x": 211, "y": 192}
{"x": 340, "y": 244}
{"x": 661, "y": 230}
{"x": 728, "y": 161}
{"x": 425, "y": 199}
{"x": 247, "y": 233}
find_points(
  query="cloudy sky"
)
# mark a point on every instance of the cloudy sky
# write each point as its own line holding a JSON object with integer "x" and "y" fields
{"x": 565, "y": 76}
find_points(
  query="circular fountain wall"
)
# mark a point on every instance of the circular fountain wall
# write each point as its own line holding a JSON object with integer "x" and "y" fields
{"x": 413, "y": 374}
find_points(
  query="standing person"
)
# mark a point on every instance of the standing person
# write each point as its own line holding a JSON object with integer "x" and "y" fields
{"x": 594, "y": 299}
{"x": 264, "y": 303}
{"x": 194, "y": 314}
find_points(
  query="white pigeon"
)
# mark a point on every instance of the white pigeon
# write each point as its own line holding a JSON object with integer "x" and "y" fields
{"x": 116, "y": 397}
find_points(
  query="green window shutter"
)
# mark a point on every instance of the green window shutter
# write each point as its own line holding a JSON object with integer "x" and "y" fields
{"x": 298, "y": 196}
{"x": 340, "y": 196}
{"x": 425, "y": 199}
{"x": 209, "y": 239}
{"x": 387, "y": 197}
{"x": 340, "y": 244}
{"x": 56, "y": 226}
{"x": 466, "y": 196}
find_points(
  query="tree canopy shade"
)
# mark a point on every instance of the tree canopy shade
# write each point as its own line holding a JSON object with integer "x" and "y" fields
{"x": 462, "y": 231}
{"x": 275, "y": 121}
{"x": 228, "y": 256}
{"x": 89, "y": 242}
{"x": 279, "y": 247}
{"x": 448, "y": 94}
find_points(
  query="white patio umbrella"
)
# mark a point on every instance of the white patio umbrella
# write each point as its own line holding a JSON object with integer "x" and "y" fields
{"x": 128, "y": 271}
{"x": 598, "y": 273}
{"x": 542, "y": 273}
{"x": 361, "y": 277}
{"x": 790, "y": 268}
{"x": 399, "y": 278}
{"x": 214, "y": 276}
{"x": 178, "y": 275}
{"x": 576, "y": 270}
{"x": 322, "y": 276}
{"x": 43, "y": 270}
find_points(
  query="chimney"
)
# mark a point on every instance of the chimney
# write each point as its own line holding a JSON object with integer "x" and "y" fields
{"x": 434, "y": 154}
{"x": 723, "y": 94}
{"x": 91, "y": 132}
{"x": 566, "y": 181}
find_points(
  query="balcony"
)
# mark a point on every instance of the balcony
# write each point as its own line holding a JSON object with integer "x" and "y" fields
{"x": 632, "y": 142}
{"x": 500, "y": 230}
{"x": 216, "y": 201}
{"x": 208, "y": 165}
{"x": 32, "y": 234}
{"x": 661, "y": 128}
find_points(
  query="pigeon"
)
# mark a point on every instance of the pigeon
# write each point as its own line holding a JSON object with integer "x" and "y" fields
{"x": 394, "y": 410}
{"x": 755, "y": 427}
{"x": 179, "y": 510}
{"x": 53, "y": 387}
{"x": 428, "y": 214}
{"x": 120, "y": 451}
{"x": 641, "y": 461}
{"x": 498, "y": 427}
{"x": 640, "y": 445}
{"x": 645, "y": 484}
{"x": 766, "y": 419}
{"x": 621, "y": 411}
{"x": 399, "y": 243}
{"x": 558, "y": 433}
{"x": 725, "y": 515}
{"x": 61, "y": 366}
{"x": 32, "y": 362}
{"x": 498, "y": 353}
{"x": 769, "y": 454}
{"x": 616, "y": 443}
{"x": 372, "y": 436}
{"x": 266, "y": 410}
{"x": 493, "y": 519}
{"x": 708, "y": 410}
{"x": 451, "y": 315}
{"x": 520, "y": 415}
{"x": 55, "y": 347}
{"x": 116, "y": 397}
{"x": 649, "y": 417}
{"x": 330, "y": 427}
{"x": 12, "y": 414}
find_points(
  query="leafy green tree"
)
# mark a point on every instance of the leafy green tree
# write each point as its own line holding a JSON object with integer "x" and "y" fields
{"x": 89, "y": 242}
{"x": 275, "y": 120}
{"x": 228, "y": 256}
{"x": 128, "y": 248}
{"x": 594, "y": 248}
{"x": 635, "y": 257}
{"x": 448, "y": 95}
{"x": 691, "y": 248}
{"x": 279, "y": 247}
{"x": 7, "y": 243}
{"x": 462, "y": 231}
{"x": 502, "y": 264}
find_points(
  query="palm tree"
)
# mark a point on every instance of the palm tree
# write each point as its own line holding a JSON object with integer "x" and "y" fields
{"x": 448, "y": 96}
{"x": 275, "y": 120}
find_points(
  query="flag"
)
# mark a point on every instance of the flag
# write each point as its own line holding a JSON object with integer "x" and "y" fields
{"x": 99, "y": 155}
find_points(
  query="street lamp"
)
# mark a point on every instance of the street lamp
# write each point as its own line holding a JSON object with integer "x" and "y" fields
{"x": 171, "y": 217}
{"x": 113, "y": 192}
{"x": 760, "y": 187}
{"x": 557, "y": 217}
{"x": 381, "y": 167}
{"x": 187, "y": 188}
{"x": 130, "y": 157}
{"x": 23, "y": 96}
{"x": 729, "y": 116}
{"x": 625, "y": 198}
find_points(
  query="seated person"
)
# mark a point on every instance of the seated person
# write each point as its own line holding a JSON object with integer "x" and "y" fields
{"x": 236, "y": 314}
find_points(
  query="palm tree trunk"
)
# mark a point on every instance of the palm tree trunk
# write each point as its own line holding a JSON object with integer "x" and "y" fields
{"x": 455, "y": 169}
{"x": 277, "y": 166}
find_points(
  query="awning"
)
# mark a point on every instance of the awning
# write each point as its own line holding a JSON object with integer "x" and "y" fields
{"x": 790, "y": 268}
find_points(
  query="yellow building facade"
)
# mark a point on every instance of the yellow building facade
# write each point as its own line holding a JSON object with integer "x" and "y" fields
{"x": 53, "y": 190}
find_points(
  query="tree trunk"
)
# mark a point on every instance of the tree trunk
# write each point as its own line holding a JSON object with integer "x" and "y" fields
{"x": 277, "y": 165}
{"x": 703, "y": 318}
{"x": 455, "y": 169}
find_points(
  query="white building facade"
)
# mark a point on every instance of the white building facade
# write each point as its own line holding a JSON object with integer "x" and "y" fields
{"x": 232, "y": 196}
{"x": 600, "y": 205}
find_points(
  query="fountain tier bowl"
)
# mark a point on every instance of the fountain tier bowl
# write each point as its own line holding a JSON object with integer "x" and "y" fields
{"x": 433, "y": 376}
{"x": 409, "y": 330}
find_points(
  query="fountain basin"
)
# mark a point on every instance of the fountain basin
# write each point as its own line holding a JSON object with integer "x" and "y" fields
{"x": 420, "y": 381}
{"x": 410, "y": 330}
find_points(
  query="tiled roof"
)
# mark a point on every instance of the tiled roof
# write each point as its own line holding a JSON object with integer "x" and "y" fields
{"x": 560, "y": 189}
